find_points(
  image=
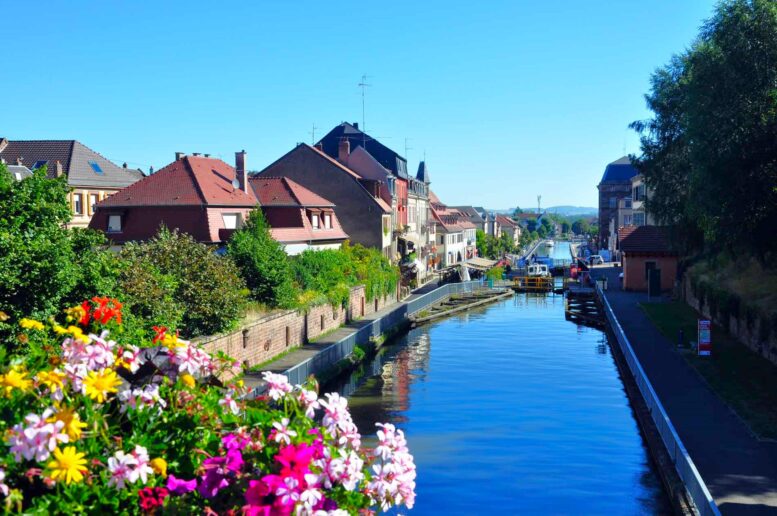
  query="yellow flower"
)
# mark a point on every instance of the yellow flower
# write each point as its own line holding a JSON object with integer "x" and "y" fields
{"x": 188, "y": 380}
{"x": 75, "y": 313}
{"x": 15, "y": 378}
{"x": 159, "y": 465}
{"x": 78, "y": 334}
{"x": 68, "y": 465}
{"x": 31, "y": 324}
{"x": 52, "y": 379}
{"x": 171, "y": 341}
{"x": 59, "y": 330}
{"x": 98, "y": 384}
{"x": 73, "y": 424}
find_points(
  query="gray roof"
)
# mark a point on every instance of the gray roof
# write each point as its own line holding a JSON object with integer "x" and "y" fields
{"x": 620, "y": 170}
{"x": 78, "y": 162}
{"x": 423, "y": 173}
{"x": 364, "y": 164}
{"x": 19, "y": 172}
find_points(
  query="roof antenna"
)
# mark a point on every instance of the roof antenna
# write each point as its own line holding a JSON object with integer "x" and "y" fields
{"x": 313, "y": 135}
{"x": 407, "y": 148}
{"x": 363, "y": 85}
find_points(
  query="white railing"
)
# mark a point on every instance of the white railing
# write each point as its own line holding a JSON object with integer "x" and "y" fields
{"x": 683, "y": 463}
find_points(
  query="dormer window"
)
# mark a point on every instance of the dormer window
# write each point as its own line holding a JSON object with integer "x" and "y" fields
{"x": 327, "y": 221}
{"x": 315, "y": 221}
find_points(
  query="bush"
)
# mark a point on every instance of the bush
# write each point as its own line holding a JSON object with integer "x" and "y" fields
{"x": 96, "y": 268}
{"x": 329, "y": 272}
{"x": 262, "y": 262}
{"x": 495, "y": 273}
{"x": 147, "y": 428}
{"x": 379, "y": 277}
{"x": 179, "y": 280}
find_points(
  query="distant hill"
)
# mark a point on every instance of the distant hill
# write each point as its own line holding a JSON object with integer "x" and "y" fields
{"x": 567, "y": 211}
{"x": 572, "y": 211}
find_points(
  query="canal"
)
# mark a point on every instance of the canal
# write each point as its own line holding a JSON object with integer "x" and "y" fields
{"x": 511, "y": 409}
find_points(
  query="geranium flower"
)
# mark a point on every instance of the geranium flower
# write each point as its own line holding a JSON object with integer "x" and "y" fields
{"x": 143, "y": 468}
{"x": 149, "y": 498}
{"x": 277, "y": 385}
{"x": 229, "y": 403}
{"x": 98, "y": 384}
{"x": 282, "y": 432}
{"x": 68, "y": 465}
{"x": 38, "y": 439}
{"x": 121, "y": 467}
{"x": 309, "y": 400}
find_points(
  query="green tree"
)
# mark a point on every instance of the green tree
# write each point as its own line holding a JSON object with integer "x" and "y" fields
{"x": 172, "y": 276}
{"x": 565, "y": 226}
{"x": 36, "y": 257}
{"x": 517, "y": 211}
{"x": 481, "y": 242}
{"x": 709, "y": 154}
{"x": 329, "y": 272}
{"x": 96, "y": 267}
{"x": 263, "y": 263}
{"x": 580, "y": 226}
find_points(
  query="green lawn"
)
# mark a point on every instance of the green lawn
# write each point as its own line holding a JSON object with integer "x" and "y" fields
{"x": 745, "y": 380}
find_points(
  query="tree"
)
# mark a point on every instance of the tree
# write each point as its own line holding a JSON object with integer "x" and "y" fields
{"x": 709, "y": 154}
{"x": 481, "y": 242}
{"x": 263, "y": 263}
{"x": 580, "y": 227}
{"x": 36, "y": 257}
{"x": 565, "y": 226}
{"x": 517, "y": 211}
{"x": 182, "y": 282}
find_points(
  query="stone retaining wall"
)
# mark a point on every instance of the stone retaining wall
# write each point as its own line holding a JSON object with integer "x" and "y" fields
{"x": 267, "y": 337}
{"x": 756, "y": 334}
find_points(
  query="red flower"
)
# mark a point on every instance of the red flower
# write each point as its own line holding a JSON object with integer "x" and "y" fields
{"x": 160, "y": 331}
{"x": 106, "y": 309}
{"x": 86, "y": 307}
{"x": 149, "y": 498}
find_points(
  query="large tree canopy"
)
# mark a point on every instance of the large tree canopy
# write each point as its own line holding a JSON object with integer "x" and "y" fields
{"x": 709, "y": 154}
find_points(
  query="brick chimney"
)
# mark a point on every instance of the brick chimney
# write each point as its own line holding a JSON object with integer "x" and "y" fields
{"x": 58, "y": 168}
{"x": 343, "y": 151}
{"x": 19, "y": 160}
{"x": 240, "y": 170}
{"x": 179, "y": 155}
{"x": 3, "y": 144}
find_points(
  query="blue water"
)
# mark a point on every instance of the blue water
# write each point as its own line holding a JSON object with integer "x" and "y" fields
{"x": 511, "y": 409}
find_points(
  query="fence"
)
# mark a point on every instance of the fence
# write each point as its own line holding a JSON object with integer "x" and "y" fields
{"x": 682, "y": 461}
{"x": 342, "y": 348}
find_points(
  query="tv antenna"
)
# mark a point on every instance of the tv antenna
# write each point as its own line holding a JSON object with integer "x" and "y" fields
{"x": 406, "y": 147}
{"x": 364, "y": 85}
{"x": 313, "y": 135}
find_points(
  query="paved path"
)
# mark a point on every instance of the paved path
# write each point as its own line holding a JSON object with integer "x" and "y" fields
{"x": 307, "y": 351}
{"x": 739, "y": 469}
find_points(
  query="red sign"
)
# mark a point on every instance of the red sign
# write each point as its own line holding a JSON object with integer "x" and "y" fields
{"x": 705, "y": 337}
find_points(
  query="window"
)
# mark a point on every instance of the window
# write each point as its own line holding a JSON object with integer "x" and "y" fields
{"x": 612, "y": 202}
{"x": 96, "y": 168}
{"x": 314, "y": 220}
{"x": 327, "y": 221}
{"x": 114, "y": 223}
{"x": 231, "y": 220}
{"x": 38, "y": 164}
{"x": 639, "y": 219}
{"x": 78, "y": 204}
{"x": 627, "y": 220}
{"x": 93, "y": 200}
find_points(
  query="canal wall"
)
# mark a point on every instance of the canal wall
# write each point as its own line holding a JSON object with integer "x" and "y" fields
{"x": 749, "y": 327}
{"x": 673, "y": 447}
{"x": 264, "y": 338}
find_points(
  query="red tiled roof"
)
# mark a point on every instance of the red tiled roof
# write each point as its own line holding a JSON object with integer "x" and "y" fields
{"x": 451, "y": 219}
{"x": 190, "y": 181}
{"x": 505, "y": 221}
{"x": 282, "y": 191}
{"x": 644, "y": 239}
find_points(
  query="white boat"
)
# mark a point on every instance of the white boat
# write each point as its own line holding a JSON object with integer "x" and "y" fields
{"x": 537, "y": 270}
{"x": 550, "y": 243}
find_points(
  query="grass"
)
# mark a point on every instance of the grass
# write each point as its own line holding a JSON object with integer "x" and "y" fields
{"x": 746, "y": 381}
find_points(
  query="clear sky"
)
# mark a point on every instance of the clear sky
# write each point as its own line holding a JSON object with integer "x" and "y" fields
{"x": 508, "y": 100}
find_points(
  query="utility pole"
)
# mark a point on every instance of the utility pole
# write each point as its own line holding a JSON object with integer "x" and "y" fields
{"x": 363, "y": 85}
{"x": 313, "y": 135}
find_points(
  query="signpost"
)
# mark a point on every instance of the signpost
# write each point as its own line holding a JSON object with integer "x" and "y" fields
{"x": 705, "y": 337}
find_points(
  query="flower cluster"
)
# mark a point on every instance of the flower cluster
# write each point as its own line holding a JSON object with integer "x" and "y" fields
{"x": 99, "y": 425}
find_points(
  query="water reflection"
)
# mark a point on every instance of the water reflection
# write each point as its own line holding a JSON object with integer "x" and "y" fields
{"x": 510, "y": 408}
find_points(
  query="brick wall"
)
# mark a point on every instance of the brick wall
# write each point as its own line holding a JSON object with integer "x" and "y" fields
{"x": 634, "y": 271}
{"x": 360, "y": 307}
{"x": 324, "y": 318}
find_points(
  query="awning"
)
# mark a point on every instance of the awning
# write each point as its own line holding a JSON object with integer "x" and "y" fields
{"x": 481, "y": 264}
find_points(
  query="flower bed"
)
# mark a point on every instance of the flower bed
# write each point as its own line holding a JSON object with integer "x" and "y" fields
{"x": 92, "y": 425}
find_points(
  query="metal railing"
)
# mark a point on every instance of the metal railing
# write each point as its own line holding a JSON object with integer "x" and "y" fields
{"x": 342, "y": 348}
{"x": 683, "y": 463}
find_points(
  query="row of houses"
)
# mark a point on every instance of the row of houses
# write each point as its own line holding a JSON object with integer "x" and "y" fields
{"x": 348, "y": 186}
{"x": 628, "y": 230}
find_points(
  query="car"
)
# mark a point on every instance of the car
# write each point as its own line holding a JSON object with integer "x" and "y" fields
{"x": 596, "y": 260}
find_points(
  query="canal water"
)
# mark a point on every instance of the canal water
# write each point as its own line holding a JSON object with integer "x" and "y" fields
{"x": 510, "y": 409}
{"x": 559, "y": 251}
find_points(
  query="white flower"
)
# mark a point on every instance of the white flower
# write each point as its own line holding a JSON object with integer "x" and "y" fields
{"x": 228, "y": 402}
{"x": 121, "y": 467}
{"x": 277, "y": 385}
{"x": 282, "y": 433}
{"x": 142, "y": 469}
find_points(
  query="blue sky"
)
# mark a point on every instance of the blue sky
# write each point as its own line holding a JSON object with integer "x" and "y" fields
{"x": 508, "y": 100}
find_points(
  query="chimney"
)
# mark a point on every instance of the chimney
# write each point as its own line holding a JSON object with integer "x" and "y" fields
{"x": 179, "y": 155}
{"x": 320, "y": 146}
{"x": 3, "y": 144}
{"x": 19, "y": 160}
{"x": 240, "y": 170}
{"x": 150, "y": 170}
{"x": 195, "y": 153}
{"x": 355, "y": 125}
{"x": 206, "y": 155}
{"x": 58, "y": 168}
{"x": 124, "y": 165}
{"x": 343, "y": 151}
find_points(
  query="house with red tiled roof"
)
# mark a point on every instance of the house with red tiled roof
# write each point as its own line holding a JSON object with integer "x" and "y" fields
{"x": 455, "y": 234}
{"x": 360, "y": 202}
{"x": 509, "y": 226}
{"x": 209, "y": 199}
{"x": 644, "y": 248}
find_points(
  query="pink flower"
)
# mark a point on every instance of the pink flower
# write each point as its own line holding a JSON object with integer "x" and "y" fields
{"x": 121, "y": 467}
{"x": 277, "y": 385}
{"x": 309, "y": 400}
{"x": 143, "y": 469}
{"x": 295, "y": 459}
{"x": 229, "y": 403}
{"x": 38, "y": 439}
{"x": 179, "y": 487}
{"x": 282, "y": 432}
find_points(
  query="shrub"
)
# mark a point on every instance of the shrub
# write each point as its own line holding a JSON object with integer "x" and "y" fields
{"x": 495, "y": 273}
{"x": 262, "y": 262}
{"x": 96, "y": 268}
{"x": 185, "y": 280}
{"x": 146, "y": 427}
{"x": 379, "y": 277}
{"x": 328, "y": 271}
